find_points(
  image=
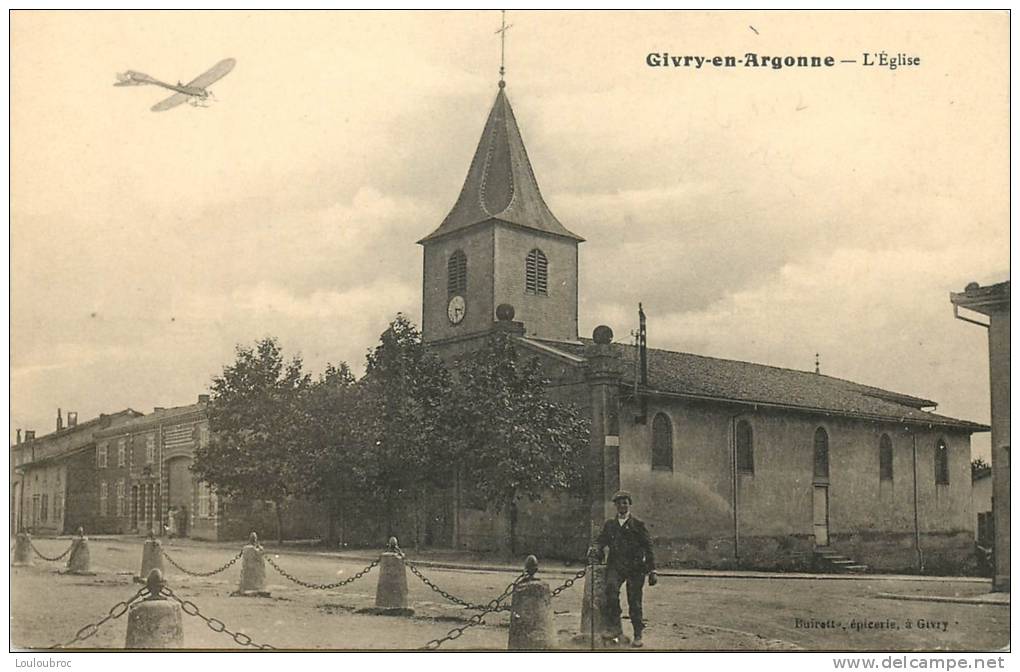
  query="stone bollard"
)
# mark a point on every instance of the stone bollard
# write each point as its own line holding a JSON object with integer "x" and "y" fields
{"x": 594, "y": 592}
{"x": 531, "y": 613}
{"x": 22, "y": 550}
{"x": 152, "y": 558}
{"x": 253, "y": 570}
{"x": 155, "y": 622}
{"x": 79, "y": 561}
{"x": 391, "y": 591}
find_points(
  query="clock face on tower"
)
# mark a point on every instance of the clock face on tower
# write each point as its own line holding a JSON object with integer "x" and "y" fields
{"x": 455, "y": 309}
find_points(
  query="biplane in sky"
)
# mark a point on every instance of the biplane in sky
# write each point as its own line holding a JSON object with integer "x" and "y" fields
{"x": 196, "y": 92}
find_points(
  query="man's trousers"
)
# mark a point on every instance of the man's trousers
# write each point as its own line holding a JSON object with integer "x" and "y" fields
{"x": 635, "y": 586}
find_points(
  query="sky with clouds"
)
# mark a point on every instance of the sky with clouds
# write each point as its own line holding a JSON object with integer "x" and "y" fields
{"x": 759, "y": 214}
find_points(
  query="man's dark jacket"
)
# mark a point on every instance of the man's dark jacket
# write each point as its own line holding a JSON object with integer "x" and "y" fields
{"x": 630, "y": 547}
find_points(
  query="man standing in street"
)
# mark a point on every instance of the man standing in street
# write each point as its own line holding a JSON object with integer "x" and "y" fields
{"x": 630, "y": 559}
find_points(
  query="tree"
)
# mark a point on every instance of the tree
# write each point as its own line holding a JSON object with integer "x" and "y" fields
{"x": 335, "y": 471}
{"x": 403, "y": 420}
{"x": 979, "y": 468}
{"x": 514, "y": 442}
{"x": 258, "y": 429}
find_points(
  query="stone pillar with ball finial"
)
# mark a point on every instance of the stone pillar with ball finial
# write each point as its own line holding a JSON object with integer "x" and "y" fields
{"x": 604, "y": 371}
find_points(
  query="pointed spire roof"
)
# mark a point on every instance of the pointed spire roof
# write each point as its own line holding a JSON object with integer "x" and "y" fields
{"x": 500, "y": 183}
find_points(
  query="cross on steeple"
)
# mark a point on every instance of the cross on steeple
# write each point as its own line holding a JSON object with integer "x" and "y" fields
{"x": 502, "y": 47}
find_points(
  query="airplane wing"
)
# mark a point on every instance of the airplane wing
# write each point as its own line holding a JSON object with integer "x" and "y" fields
{"x": 171, "y": 102}
{"x": 218, "y": 71}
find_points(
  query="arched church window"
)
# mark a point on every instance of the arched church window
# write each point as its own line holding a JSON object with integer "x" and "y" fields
{"x": 456, "y": 274}
{"x": 885, "y": 472}
{"x": 745, "y": 448}
{"x": 941, "y": 462}
{"x": 662, "y": 443}
{"x": 821, "y": 453}
{"x": 536, "y": 273}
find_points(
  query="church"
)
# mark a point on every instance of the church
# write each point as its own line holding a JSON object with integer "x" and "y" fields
{"x": 732, "y": 464}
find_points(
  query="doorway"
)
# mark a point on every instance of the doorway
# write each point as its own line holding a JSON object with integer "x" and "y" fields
{"x": 821, "y": 515}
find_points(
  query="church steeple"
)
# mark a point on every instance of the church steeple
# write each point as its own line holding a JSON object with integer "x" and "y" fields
{"x": 500, "y": 183}
{"x": 500, "y": 244}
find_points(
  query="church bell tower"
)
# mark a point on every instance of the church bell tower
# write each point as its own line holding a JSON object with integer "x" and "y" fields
{"x": 500, "y": 244}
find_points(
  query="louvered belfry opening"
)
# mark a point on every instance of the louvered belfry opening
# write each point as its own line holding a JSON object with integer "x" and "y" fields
{"x": 536, "y": 273}
{"x": 456, "y": 274}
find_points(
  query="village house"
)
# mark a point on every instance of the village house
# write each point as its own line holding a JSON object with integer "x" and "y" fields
{"x": 53, "y": 476}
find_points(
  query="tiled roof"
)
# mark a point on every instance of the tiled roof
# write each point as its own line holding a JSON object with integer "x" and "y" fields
{"x": 500, "y": 183}
{"x": 988, "y": 299}
{"x": 162, "y": 415}
{"x": 691, "y": 375}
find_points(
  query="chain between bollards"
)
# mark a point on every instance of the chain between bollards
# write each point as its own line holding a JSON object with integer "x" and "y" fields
{"x": 569, "y": 582}
{"x": 151, "y": 590}
{"x": 224, "y": 568}
{"x": 56, "y": 559}
{"x": 318, "y": 586}
{"x": 214, "y": 624}
{"x": 479, "y": 617}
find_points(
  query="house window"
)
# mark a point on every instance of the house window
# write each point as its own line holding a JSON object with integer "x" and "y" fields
{"x": 58, "y": 507}
{"x": 120, "y": 498}
{"x": 456, "y": 274}
{"x": 121, "y": 453}
{"x": 662, "y": 443}
{"x": 44, "y": 515}
{"x": 134, "y": 506}
{"x": 101, "y": 456}
{"x": 150, "y": 449}
{"x": 536, "y": 273}
{"x": 745, "y": 448}
{"x": 885, "y": 458}
{"x": 102, "y": 498}
{"x": 821, "y": 453}
{"x": 941, "y": 462}
{"x": 203, "y": 500}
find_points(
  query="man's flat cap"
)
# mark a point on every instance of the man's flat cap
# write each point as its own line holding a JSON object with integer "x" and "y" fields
{"x": 623, "y": 494}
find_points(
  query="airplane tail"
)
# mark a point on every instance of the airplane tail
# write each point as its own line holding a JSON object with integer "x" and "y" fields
{"x": 132, "y": 78}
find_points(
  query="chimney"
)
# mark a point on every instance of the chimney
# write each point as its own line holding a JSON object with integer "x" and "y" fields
{"x": 60, "y": 421}
{"x": 18, "y": 442}
{"x": 72, "y": 419}
{"x": 203, "y": 398}
{"x": 29, "y": 435}
{"x": 643, "y": 344}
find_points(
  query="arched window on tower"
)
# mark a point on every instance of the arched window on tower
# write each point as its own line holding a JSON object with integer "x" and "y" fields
{"x": 536, "y": 273}
{"x": 456, "y": 274}
{"x": 745, "y": 448}
{"x": 821, "y": 454}
{"x": 941, "y": 462}
{"x": 885, "y": 472}
{"x": 662, "y": 443}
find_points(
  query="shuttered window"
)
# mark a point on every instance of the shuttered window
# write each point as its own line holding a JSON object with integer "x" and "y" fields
{"x": 821, "y": 453}
{"x": 941, "y": 462}
{"x": 885, "y": 471}
{"x": 745, "y": 448}
{"x": 536, "y": 273}
{"x": 662, "y": 443}
{"x": 456, "y": 274}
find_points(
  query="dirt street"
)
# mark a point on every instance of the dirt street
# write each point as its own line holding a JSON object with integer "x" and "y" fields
{"x": 683, "y": 613}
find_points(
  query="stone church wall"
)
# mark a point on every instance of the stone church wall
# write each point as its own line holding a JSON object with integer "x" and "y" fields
{"x": 689, "y": 510}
